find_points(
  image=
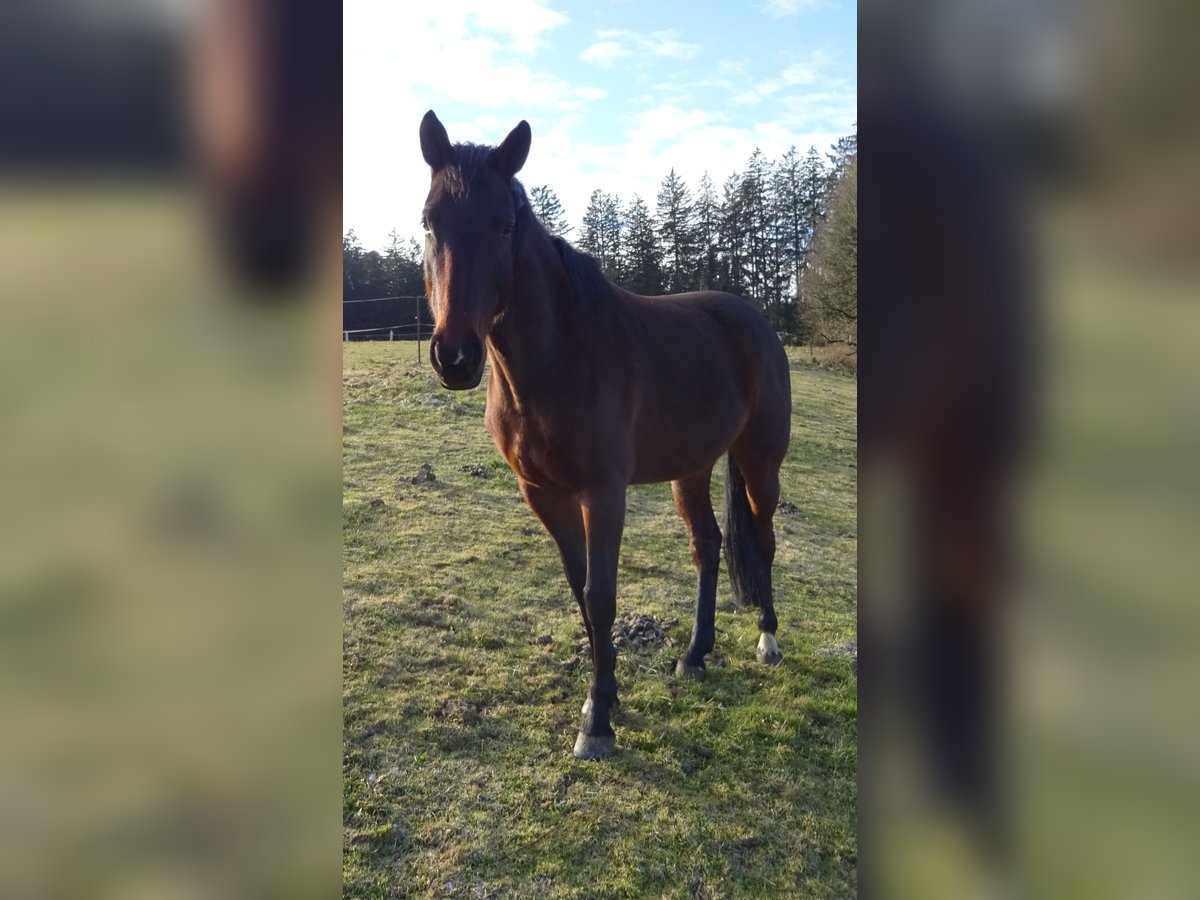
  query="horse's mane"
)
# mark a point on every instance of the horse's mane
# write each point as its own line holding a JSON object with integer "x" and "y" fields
{"x": 583, "y": 270}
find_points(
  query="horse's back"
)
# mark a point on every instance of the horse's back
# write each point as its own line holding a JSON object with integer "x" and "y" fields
{"x": 700, "y": 330}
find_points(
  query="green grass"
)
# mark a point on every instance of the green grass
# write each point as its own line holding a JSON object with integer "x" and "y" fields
{"x": 460, "y": 713}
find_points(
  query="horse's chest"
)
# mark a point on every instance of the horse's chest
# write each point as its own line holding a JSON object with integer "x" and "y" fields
{"x": 532, "y": 450}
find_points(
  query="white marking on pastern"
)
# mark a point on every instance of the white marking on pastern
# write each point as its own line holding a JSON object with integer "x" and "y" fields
{"x": 767, "y": 645}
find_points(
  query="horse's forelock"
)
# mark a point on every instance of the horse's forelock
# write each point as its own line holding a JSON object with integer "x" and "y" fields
{"x": 466, "y": 163}
{"x": 454, "y": 181}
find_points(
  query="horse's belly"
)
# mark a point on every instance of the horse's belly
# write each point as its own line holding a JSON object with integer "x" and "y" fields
{"x": 667, "y": 453}
{"x": 652, "y": 471}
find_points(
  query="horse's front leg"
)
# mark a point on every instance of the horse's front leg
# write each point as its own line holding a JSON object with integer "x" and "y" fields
{"x": 559, "y": 511}
{"x": 603, "y": 520}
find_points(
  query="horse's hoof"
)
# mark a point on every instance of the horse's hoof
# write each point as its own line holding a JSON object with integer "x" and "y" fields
{"x": 768, "y": 651}
{"x": 595, "y": 746}
{"x": 694, "y": 673}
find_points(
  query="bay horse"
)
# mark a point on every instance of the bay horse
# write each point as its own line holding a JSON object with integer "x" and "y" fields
{"x": 593, "y": 388}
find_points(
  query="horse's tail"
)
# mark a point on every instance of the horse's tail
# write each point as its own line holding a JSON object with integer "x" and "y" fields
{"x": 749, "y": 571}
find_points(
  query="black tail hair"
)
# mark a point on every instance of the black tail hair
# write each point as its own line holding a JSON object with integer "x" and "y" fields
{"x": 748, "y": 571}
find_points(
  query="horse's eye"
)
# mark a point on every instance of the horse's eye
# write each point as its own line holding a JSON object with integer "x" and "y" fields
{"x": 508, "y": 228}
{"x": 425, "y": 224}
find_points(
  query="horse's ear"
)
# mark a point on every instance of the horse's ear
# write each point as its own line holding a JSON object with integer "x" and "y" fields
{"x": 435, "y": 143}
{"x": 508, "y": 158}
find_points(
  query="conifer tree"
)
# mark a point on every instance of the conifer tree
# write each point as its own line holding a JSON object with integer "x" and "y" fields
{"x": 731, "y": 237}
{"x": 641, "y": 269}
{"x": 676, "y": 233}
{"x": 601, "y": 232}
{"x": 549, "y": 209}
{"x": 707, "y": 221}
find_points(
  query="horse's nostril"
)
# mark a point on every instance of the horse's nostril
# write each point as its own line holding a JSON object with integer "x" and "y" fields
{"x": 441, "y": 358}
{"x": 466, "y": 356}
{"x": 458, "y": 362}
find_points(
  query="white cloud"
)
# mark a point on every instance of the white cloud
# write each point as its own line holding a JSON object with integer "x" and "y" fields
{"x": 613, "y": 45}
{"x": 468, "y": 50}
{"x": 524, "y": 21}
{"x": 809, "y": 70}
{"x": 604, "y": 53}
{"x": 677, "y": 49}
{"x": 813, "y": 70}
{"x": 668, "y": 122}
{"x": 779, "y": 9}
{"x": 400, "y": 60}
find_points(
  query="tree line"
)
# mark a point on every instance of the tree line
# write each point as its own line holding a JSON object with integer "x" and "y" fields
{"x": 781, "y": 232}
{"x": 368, "y": 274}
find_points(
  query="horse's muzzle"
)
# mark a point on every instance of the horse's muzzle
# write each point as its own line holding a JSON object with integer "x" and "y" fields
{"x": 460, "y": 367}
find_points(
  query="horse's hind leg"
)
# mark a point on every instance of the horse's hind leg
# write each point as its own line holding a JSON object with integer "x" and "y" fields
{"x": 694, "y": 503}
{"x": 760, "y": 472}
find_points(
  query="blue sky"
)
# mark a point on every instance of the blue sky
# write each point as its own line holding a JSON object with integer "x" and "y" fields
{"x": 617, "y": 92}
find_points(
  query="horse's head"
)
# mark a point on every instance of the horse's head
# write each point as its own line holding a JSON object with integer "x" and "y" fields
{"x": 469, "y": 219}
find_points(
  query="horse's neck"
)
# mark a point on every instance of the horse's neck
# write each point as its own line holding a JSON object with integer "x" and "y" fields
{"x": 535, "y": 338}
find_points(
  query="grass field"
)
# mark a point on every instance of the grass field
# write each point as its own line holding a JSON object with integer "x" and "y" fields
{"x": 463, "y": 673}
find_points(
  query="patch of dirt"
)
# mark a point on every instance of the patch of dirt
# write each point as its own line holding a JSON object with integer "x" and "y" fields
{"x": 790, "y": 509}
{"x": 634, "y": 630}
{"x": 641, "y": 631}
{"x": 845, "y": 650}
{"x": 424, "y": 475}
{"x": 479, "y": 470}
{"x": 458, "y": 711}
{"x": 387, "y": 836}
{"x": 434, "y": 402}
{"x": 370, "y": 731}
{"x": 740, "y": 852}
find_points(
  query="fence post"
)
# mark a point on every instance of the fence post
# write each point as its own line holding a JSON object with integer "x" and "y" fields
{"x": 391, "y": 334}
{"x": 418, "y": 332}
{"x": 345, "y": 337}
